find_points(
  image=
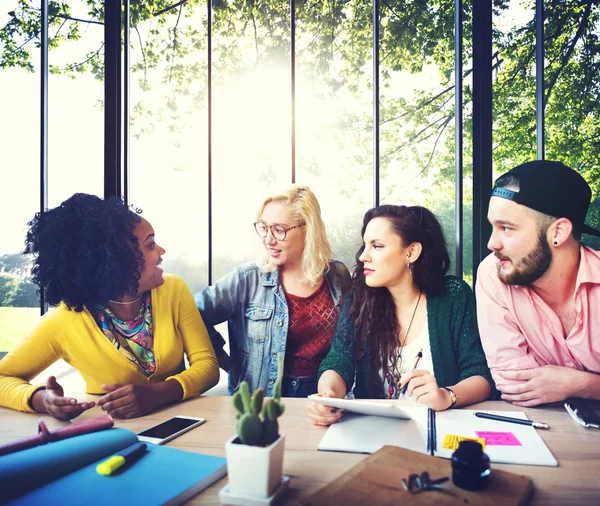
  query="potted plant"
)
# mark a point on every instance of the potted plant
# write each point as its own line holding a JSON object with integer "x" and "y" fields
{"x": 255, "y": 454}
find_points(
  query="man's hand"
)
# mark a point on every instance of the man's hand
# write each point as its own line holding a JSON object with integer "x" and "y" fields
{"x": 549, "y": 383}
{"x": 423, "y": 388}
{"x": 52, "y": 401}
{"x": 324, "y": 415}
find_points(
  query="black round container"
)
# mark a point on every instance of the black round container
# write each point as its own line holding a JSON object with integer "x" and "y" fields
{"x": 470, "y": 466}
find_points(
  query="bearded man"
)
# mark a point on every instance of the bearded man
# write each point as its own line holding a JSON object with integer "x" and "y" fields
{"x": 538, "y": 293}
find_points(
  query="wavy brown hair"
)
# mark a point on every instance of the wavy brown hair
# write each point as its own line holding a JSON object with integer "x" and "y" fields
{"x": 373, "y": 310}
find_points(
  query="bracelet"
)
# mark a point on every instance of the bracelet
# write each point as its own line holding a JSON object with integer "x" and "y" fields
{"x": 453, "y": 397}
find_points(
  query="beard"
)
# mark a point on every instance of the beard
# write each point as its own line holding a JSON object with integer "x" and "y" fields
{"x": 532, "y": 267}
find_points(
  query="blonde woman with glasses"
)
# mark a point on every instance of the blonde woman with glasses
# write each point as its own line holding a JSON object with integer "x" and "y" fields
{"x": 287, "y": 303}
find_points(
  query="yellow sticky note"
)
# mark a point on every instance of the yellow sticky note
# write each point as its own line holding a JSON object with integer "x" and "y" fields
{"x": 451, "y": 441}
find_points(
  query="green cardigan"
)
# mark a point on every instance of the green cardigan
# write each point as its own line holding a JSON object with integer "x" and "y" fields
{"x": 453, "y": 336}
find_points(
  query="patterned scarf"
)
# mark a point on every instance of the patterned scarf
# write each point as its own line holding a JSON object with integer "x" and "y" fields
{"x": 133, "y": 338}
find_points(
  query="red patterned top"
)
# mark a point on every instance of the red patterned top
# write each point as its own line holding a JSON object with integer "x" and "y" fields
{"x": 312, "y": 324}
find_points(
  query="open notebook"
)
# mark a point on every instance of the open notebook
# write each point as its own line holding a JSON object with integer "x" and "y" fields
{"x": 64, "y": 473}
{"x": 507, "y": 443}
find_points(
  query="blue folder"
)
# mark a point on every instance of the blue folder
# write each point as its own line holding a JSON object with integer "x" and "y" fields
{"x": 64, "y": 473}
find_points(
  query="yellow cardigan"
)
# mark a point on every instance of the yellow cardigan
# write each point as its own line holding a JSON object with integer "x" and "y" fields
{"x": 76, "y": 338}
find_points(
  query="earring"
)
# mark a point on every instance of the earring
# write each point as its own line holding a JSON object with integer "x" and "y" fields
{"x": 555, "y": 243}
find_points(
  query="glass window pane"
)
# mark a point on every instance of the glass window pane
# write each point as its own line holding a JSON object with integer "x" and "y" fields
{"x": 20, "y": 162}
{"x": 251, "y": 122}
{"x": 572, "y": 87}
{"x": 75, "y": 102}
{"x": 169, "y": 134}
{"x": 514, "y": 85}
{"x": 334, "y": 117}
{"x": 417, "y": 146}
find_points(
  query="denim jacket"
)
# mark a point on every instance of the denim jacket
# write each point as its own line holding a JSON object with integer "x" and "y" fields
{"x": 254, "y": 305}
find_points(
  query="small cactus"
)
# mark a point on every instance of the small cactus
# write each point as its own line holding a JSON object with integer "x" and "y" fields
{"x": 250, "y": 428}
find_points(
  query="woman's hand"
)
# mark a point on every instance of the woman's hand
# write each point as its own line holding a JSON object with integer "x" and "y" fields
{"x": 130, "y": 401}
{"x": 324, "y": 415}
{"x": 423, "y": 388}
{"x": 52, "y": 401}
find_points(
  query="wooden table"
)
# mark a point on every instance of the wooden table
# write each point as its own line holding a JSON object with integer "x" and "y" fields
{"x": 576, "y": 481}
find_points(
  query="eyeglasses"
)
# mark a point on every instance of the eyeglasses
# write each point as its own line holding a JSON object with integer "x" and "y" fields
{"x": 277, "y": 230}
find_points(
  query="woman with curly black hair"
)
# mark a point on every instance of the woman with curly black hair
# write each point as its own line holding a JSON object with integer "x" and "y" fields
{"x": 403, "y": 305}
{"x": 122, "y": 324}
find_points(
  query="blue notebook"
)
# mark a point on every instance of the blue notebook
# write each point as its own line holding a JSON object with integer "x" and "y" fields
{"x": 64, "y": 473}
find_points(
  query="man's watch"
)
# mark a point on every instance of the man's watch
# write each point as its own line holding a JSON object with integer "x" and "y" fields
{"x": 453, "y": 397}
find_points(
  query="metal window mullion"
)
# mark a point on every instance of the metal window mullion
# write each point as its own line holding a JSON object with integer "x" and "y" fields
{"x": 293, "y": 83}
{"x": 539, "y": 79}
{"x": 126, "y": 101}
{"x": 458, "y": 135}
{"x": 209, "y": 161}
{"x": 376, "y": 102}
{"x": 482, "y": 127}
{"x": 43, "y": 121}
{"x": 112, "y": 99}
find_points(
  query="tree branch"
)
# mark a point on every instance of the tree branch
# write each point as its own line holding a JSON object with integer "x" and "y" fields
{"x": 415, "y": 136}
{"x": 255, "y": 35}
{"x": 174, "y": 44}
{"x": 167, "y": 9}
{"x": 59, "y": 29}
{"x": 582, "y": 27}
{"x": 433, "y": 150}
{"x": 143, "y": 56}
{"x": 74, "y": 66}
{"x": 88, "y": 21}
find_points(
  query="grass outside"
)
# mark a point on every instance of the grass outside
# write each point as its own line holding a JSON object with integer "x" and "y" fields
{"x": 15, "y": 324}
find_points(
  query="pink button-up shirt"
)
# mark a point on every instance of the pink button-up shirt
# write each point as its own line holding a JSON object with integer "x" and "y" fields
{"x": 520, "y": 331}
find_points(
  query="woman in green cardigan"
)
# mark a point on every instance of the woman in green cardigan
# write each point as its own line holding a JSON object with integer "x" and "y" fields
{"x": 403, "y": 306}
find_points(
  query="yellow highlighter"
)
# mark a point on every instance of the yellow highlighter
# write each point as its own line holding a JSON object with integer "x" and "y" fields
{"x": 124, "y": 458}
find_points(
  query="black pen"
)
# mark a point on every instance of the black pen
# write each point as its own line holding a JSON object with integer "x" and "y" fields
{"x": 418, "y": 357}
{"x": 537, "y": 425}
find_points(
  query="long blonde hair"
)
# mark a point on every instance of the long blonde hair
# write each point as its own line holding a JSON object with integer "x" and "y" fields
{"x": 305, "y": 208}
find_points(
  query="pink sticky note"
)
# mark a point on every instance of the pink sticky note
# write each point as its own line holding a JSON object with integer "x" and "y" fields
{"x": 499, "y": 438}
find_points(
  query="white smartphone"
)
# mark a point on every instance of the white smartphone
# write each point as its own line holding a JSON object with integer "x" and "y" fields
{"x": 169, "y": 429}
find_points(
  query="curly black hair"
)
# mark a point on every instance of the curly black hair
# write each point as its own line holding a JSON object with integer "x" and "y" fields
{"x": 373, "y": 310}
{"x": 85, "y": 251}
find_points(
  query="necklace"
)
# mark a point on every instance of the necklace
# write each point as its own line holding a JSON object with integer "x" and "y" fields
{"x": 395, "y": 371}
{"x": 411, "y": 320}
{"x": 132, "y": 301}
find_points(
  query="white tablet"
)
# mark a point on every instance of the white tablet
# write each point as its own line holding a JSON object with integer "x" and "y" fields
{"x": 390, "y": 409}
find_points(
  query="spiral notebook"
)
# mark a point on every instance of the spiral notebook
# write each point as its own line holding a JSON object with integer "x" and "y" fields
{"x": 438, "y": 434}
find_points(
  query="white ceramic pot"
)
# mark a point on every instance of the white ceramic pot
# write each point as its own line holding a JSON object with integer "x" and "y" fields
{"x": 254, "y": 470}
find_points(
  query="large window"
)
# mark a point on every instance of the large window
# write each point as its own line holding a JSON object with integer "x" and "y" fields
{"x": 20, "y": 172}
{"x": 334, "y": 117}
{"x": 169, "y": 134}
{"x": 212, "y": 90}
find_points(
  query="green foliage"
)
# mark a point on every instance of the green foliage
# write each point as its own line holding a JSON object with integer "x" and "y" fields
{"x": 8, "y": 289}
{"x": 16, "y": 288}
{"x": 250, "y": 407}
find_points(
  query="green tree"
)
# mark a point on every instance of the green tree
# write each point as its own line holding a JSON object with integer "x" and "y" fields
{"x": 15, "y": 264}
{"x": 8, "y": 287}
{"x": 26, "y": 295}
